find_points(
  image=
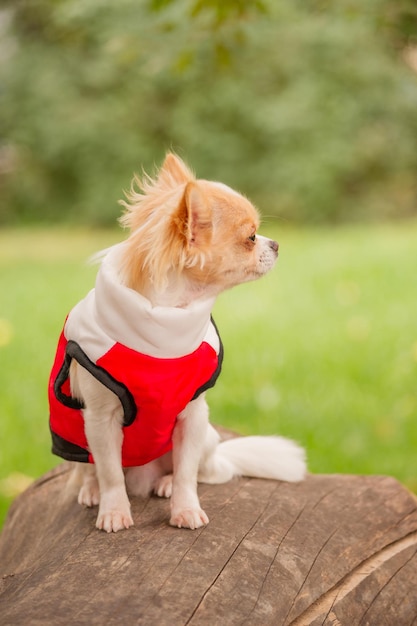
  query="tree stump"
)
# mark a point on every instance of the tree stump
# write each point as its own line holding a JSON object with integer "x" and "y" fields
{"x": 334, "y": 549}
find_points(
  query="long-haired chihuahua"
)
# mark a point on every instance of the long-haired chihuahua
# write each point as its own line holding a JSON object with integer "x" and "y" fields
{"x": 138, "y": 353}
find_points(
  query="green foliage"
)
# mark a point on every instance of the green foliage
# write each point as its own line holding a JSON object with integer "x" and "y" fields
{"x": 322, "y": 350}
{"x": 308, "y": 107}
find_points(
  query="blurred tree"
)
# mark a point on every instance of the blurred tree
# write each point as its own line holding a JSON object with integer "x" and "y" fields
{"x": 308, "y": 107}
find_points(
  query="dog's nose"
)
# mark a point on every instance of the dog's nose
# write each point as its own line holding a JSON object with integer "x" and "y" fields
{"x": 274, "y": 245}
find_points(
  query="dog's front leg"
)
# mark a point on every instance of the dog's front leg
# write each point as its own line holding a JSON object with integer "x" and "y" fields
{"x": 104, "y": 436}
{"x": 188, "y": 443}
{"x": 103, "y": 429}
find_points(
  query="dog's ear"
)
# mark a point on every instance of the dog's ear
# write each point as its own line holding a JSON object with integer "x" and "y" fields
{"x": 194, "y": 216}
{"x": 200, "y": 225}
{"x": 174, "y": 171}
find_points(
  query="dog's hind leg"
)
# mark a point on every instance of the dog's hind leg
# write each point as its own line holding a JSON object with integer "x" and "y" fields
{"x": 214, "y": 468}
{"x": 142, "y": 480}
{"x": 85, "y": 475}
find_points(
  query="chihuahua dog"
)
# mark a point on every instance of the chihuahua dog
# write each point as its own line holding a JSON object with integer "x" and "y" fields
{"x": 137, "y": 354}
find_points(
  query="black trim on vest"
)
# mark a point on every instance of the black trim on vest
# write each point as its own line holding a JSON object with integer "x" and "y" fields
{"x": 62, "y": 377}
{"x": 212, "y": 381}
{"x": 67, "y": 450}
{"x": 74, "y": 351}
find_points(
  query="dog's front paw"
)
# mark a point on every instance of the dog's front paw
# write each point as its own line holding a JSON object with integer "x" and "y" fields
{"x": 163, "y": 487}
{"x": 189, "y": 518}
{"x": 112, "y": 521}
{"x": 114, "y": 511}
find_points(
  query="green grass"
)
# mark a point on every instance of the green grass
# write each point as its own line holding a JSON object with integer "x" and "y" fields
{"x": 323, "y": 349}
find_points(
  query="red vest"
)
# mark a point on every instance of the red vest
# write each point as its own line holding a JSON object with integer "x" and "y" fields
{"x": 152, "y": 391}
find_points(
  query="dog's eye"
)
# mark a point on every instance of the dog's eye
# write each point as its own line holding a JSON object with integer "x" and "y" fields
{"x": 252, "y": 237}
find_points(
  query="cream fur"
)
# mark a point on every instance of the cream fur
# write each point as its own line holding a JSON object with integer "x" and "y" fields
{"x": 190, "y": 239}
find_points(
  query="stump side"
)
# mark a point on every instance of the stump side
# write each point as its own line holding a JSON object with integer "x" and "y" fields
{"x": 330, "y": 549}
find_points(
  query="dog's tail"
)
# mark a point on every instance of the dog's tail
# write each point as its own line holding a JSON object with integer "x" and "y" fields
{"x": 277, "y": 458}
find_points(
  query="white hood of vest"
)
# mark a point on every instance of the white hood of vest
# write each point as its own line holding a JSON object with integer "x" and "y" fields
{"x": 113, "y": 313}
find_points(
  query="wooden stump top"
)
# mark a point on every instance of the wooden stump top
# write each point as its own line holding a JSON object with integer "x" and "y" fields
{"x": 331, "y": 550}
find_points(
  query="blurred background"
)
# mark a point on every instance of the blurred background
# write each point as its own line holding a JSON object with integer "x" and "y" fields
{"x": 308, "y": 107}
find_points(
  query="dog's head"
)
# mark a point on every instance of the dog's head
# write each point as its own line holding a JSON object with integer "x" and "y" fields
{"x": 195, "y": 232}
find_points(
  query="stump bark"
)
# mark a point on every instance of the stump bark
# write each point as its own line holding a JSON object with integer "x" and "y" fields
{"x": 334, "y": 549}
